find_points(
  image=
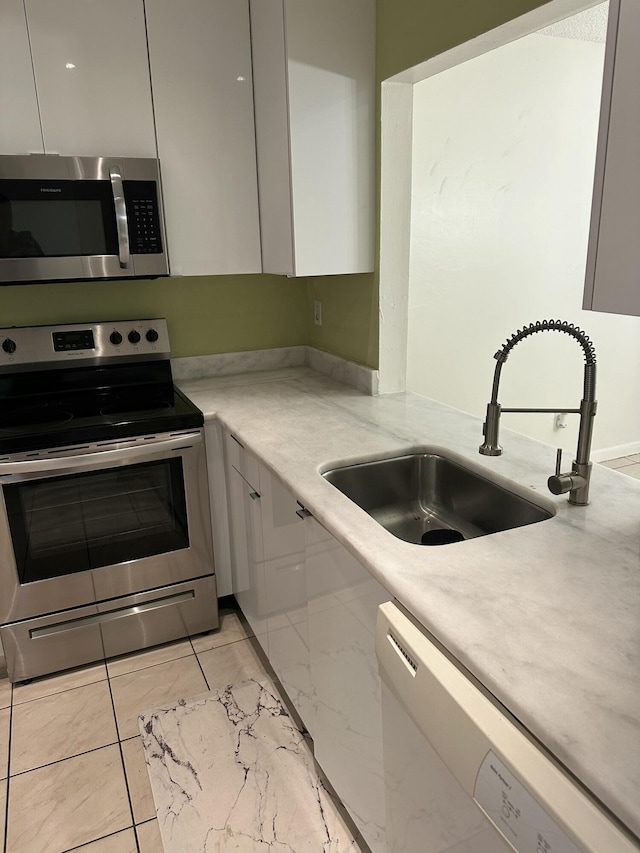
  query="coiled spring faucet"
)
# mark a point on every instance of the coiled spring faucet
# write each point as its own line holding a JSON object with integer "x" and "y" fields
{"x": 576, "y": 481}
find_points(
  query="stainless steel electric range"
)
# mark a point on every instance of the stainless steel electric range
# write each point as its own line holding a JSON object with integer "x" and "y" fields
{"x": 105, "y": 530}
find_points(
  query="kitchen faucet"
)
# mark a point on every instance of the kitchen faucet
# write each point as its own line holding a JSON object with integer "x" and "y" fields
{"x": 576, "y": 481}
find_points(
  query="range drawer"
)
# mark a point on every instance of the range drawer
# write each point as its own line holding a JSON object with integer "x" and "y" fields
{"x": 86, "y": 634}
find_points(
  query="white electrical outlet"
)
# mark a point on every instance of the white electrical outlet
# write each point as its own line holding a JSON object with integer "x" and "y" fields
{"x": 317, "y": 312}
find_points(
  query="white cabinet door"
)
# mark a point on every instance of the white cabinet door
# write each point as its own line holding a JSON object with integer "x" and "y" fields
{"x": 92, "y": 77}
{"x": 286, "y": 592}
{"x": 245, "y": 524}
{"x": 314, "y": 86}
{"x": 200, "y": 57}
{"x": 19, "y": 119}
{"x": 613, "y": 262}
{"x": 343, "y": 605}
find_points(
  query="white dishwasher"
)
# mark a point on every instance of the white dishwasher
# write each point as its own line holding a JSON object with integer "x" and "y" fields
{"x": 460, "y": 776}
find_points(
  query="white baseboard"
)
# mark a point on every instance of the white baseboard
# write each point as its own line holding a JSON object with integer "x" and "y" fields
{"x": 606, "y": 453}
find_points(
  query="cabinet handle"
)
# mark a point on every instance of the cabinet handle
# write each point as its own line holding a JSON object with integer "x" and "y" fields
{"x": 121, "y": 216}
{"x": 255, "y": 496}
{"x": 303, "y": 513}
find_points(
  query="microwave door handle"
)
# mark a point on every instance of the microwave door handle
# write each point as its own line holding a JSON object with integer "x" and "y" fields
{"x": 122, "y": 224}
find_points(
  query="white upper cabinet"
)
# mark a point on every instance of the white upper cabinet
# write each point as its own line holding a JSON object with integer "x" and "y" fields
{"x": 613, "y": 262}
{"x": 92, "y": 77}
{"x": 314, "y": 85}
{"x": 200, "y": 58}
{"x": 19, "y": 119}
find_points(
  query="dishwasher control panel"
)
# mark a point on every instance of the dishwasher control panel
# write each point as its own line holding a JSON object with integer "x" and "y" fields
{"x": 515, "y": 813}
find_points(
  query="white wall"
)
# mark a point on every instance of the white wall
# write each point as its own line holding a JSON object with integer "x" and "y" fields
{"x": 503, "y": 156}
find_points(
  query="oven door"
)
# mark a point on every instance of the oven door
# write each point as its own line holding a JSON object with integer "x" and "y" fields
{"x": 79, "y": 527}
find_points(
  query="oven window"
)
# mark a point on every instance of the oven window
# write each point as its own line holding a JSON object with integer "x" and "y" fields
{"x": 63, "y": 525}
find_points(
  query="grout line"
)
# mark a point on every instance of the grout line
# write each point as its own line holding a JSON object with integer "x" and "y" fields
{"x": 143, "y": 823}
{"x": 124, "y": 769}
{"x": 67, "y": 758}
{"x": 151, "y": 665}
{"x": 102, "y": 837}
{"x": 64, "y": 690}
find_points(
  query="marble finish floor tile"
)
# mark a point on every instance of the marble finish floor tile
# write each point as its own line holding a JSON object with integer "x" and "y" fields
{"x": 149, "y": 839}
{"x": 50, "y": 684}
{"x": 5, "y": 728}
{"x": 136, "y": 692}
{"x": 149, "y": 657}
{"x": 64, "y": 805}
{"x": 231, "y": 629}
{"x": 61, "y": 725}
{"x": 620, "y": 462}
{"x": 135, "y": 768}
{"x": 5, "y": 693}
{"x": 230, "y": 664}
{"x": 3, "y": 807}
{"x": 230, "y": 771}
{"x": 121, "y": 842}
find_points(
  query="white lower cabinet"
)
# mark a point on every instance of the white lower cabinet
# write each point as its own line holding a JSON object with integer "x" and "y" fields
{"x": 268, "y": 568}
{"x": 245, "y": 528}
{"x": 343, "y": 604}
{"x": 313, "y": 608}
{"x": 286, "y": 592}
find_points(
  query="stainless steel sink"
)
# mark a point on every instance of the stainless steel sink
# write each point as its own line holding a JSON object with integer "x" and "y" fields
{"x": 431, "y": 499}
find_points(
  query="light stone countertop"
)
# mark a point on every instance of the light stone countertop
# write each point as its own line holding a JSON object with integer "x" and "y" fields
{"x": 546, "y": 616}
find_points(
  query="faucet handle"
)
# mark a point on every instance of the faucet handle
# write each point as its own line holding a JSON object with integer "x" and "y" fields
{"x": 560, "y": 484}
{"x": 558, "y": 461}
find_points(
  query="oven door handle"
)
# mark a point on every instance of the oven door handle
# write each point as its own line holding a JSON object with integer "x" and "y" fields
{"x": 122, "y": 224}
{"x": 32, "y": 468}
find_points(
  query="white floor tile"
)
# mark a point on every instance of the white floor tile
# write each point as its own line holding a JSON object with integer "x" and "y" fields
{"x": 5, "y": 723}
{"x": 57, "y": 683}
{"x": 231, "y": 664}
{"x": 136, "y": 692}
{"x": 61, "y": 725}
{"x": 64, "y": 805}
{"x": 231, "y": 629}
{"x": 149, "y": 657}
{"x": 137, "y": 775}
{"x": 149, "y": 837}
{"x": 121, "y": 842}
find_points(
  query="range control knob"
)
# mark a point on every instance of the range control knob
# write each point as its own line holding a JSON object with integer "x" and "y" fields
{"x": 133, "y": 336}
{"x": 9, "y": 346}
{"x": 152, "y": 336}
{"x": 115, "y": 338}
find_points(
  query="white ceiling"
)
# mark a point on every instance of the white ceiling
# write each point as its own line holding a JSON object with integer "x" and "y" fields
{"x": 590, "y": 25}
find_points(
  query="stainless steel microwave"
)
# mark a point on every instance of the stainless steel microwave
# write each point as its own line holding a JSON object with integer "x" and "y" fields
{"x": 73, "y": 218}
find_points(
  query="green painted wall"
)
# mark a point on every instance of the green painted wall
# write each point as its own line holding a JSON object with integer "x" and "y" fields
{"x": 205, "y": 314}
{"x": 212, "y": 314}
{"x": 349, "y": 316}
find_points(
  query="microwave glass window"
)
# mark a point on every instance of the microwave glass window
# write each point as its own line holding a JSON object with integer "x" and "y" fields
{"x": 60, "y": 228}
{"x": 78, "y": 522}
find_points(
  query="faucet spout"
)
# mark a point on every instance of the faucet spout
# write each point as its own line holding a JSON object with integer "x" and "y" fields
{"x": 576, "y": 482}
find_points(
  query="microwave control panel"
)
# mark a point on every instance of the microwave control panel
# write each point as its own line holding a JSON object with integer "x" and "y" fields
{"x": 144, "y": 217}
